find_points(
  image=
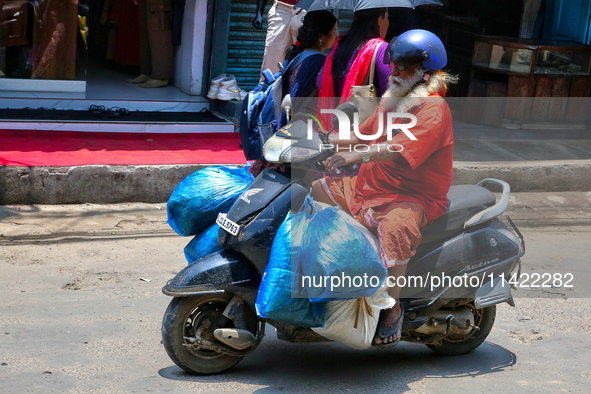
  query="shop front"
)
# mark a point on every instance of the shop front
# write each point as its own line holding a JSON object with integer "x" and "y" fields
{"x": 94, "y": 51}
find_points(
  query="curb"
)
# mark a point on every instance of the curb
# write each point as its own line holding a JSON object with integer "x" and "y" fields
{"x": 529, "y": 176}
{"x": 100, "y": 184}
{"x": 103, "y": 184}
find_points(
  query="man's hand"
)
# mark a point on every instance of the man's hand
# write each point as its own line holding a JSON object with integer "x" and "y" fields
{"x": 342, "y": 159}
{"x": 258, "y": 22}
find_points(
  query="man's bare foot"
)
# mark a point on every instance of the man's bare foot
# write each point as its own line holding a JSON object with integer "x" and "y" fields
{"x": 389, "y": 317}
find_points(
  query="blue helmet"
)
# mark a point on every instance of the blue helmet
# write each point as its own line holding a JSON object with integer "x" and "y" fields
{"x": 414, "y": 47}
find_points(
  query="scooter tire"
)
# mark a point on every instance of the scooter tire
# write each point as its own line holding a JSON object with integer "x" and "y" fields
{"x": 455, "y": 348}
{"x": 196, "y": 362}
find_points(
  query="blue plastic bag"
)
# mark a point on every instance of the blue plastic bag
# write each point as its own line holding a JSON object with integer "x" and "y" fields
{"x": 196, "y": 201}
{"x": 337, "y": 260}
{"x": 274, "y": 300}
{"x": 203, "y": 244}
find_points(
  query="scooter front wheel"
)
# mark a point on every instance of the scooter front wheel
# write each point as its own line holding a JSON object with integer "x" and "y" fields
{"x": 182, "y": 320}
{"x": 484, "y": 319}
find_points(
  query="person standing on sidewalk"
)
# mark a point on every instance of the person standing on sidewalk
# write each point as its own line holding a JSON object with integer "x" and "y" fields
{"x": 283, "y": 22}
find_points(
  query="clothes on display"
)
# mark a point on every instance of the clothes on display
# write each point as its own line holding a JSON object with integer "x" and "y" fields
{"x": 54, "y": 39}
{"x": 116, "y": 33}
{"x": 139, "y": 33}
{"x": 14, "y": 22}
{"x": 16, "y": 38}
{"x": 125, "y": 15}
{"x": 39, "y": 38}
{"x": 155, "y": 44}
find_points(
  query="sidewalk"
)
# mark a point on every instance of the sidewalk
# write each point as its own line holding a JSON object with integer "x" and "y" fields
{"x": 529, "y": 160}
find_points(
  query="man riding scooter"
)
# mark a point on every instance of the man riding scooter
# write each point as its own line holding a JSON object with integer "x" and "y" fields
{"x": 402, "y": 184}
{"x": 212, "y": 322}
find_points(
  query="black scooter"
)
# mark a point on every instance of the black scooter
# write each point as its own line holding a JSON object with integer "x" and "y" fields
{"x": 211, "y": 323}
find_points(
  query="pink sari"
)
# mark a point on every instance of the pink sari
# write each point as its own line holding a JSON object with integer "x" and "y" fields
{"x": 355, "y": 76}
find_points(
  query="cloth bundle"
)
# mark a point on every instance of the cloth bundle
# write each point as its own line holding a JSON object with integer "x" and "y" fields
{"x": 274, "y": 300}
{"x": 196, "y": 202}
{"x": 337, "y": 258}
{"x": 203, "y": 244}
{"x": 354, "y": 322}
{"x": 320, "y": 241}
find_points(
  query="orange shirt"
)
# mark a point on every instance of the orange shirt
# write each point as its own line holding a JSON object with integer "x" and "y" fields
{"x": 424, "y": 175}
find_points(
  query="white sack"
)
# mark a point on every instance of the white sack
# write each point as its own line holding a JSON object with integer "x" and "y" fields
{"x": 340, "y": 317}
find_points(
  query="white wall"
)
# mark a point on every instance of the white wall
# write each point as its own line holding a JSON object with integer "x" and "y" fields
{"x": 188, "y": 59}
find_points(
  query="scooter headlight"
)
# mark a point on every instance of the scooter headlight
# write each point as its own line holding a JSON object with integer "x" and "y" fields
{"x": 275, "y": 147}
{"x": 296, "y": 153}
{"x": 291, "y": 143}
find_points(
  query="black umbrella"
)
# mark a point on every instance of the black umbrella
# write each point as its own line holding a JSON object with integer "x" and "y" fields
{"x": 356, "y": 5}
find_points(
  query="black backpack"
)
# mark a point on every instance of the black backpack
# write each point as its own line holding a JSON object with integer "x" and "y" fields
{"x": 262, "y": 107}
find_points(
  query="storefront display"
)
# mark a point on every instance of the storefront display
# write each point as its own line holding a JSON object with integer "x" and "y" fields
{"x": 555, "y": 73}
{"x": 522, "y": 56}
{"x": 85, "y": 49}
{"x": 40, "y": 38}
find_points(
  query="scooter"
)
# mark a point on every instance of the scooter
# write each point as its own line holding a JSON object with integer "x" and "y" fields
{"x": 211, "y": 323}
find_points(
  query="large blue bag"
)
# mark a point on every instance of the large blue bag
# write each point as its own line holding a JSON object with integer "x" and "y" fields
{"x": 275, "y": 300}
{"x": 333, "y": 248}
{"x": 203, "y": 244}
{"x": 196, "y": 201}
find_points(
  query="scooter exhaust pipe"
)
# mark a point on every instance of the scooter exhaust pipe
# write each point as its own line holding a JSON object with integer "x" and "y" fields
{"x": 461, "y": 324}
{"x": 238, "y": 337}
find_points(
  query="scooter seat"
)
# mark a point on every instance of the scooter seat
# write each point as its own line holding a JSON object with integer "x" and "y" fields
{"x": 464, "y": 201}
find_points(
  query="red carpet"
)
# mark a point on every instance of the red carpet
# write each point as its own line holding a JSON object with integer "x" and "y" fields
{"x": 70, "y": 148}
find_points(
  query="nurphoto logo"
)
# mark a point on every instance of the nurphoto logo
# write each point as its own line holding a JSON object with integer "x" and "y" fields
{"x": 345, "y": 128}
{"x": 345, "y": 125}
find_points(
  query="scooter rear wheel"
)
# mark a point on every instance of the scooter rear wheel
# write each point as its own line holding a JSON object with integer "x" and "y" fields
{"x": 182, "y": 319}
{"x": 485, "y": 321}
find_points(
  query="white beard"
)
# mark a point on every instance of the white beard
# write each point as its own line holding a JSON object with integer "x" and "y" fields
{"x": 393, "y": 96}
{"x": 403, "y": 86}
{"x": 408, "y": 94}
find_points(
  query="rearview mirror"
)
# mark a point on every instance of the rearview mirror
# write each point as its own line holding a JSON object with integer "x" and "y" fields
{"x": 286, "y": 104}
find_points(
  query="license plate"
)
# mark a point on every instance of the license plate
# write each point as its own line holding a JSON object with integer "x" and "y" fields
{"x": 227, "y": 224}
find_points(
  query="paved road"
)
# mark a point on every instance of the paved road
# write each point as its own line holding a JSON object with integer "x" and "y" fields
{"x": 82, "y": 311}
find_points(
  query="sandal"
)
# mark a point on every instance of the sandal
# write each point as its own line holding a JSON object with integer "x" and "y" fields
{"x": 386, "y": 332}
{"x": 97, "y": 110}
{"x": 117, "y": 112}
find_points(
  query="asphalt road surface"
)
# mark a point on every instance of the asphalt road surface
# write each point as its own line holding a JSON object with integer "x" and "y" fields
{"x": 82, "y": 309}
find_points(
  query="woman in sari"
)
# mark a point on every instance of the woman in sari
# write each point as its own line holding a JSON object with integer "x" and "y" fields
{"x": 317, "y": 34}
{"x": 348, "y": 63}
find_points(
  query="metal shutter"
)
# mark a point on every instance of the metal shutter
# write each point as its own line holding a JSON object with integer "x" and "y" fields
{"x": 345, "y": 19}
{"x": 246, "y": 45}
